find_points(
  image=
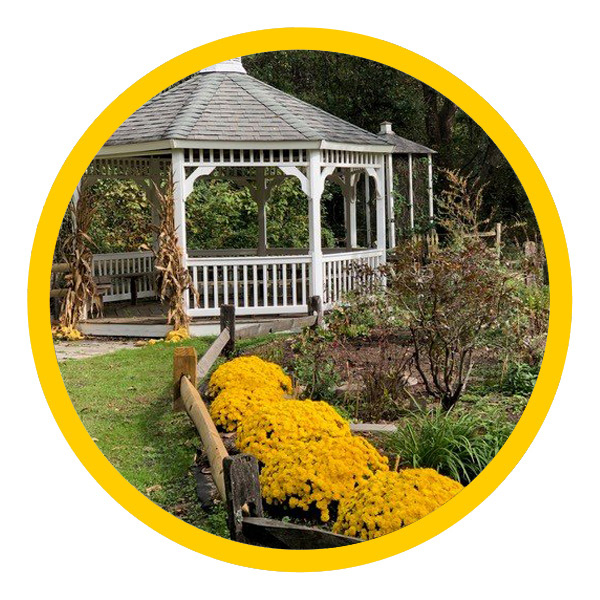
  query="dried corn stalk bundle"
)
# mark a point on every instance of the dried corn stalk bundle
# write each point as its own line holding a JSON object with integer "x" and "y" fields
{"x": 173, "y": 279}
{"x": 82, "y": 294}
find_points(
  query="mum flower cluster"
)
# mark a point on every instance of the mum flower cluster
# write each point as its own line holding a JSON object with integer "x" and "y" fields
{"x": 310, "y": 459}
{"x": 233, "y": 405}
{"x": 320, "y": 471}
{"x": 249, "y": 373}
{"x": 388, "y": 501}
{"x": 62, "y": 332}
{"x": 266, "y": 431}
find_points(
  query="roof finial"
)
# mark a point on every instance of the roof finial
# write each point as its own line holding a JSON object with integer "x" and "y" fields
{"x": 233, "y": 65}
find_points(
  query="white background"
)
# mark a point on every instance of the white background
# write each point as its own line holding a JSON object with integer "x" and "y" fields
{"x": 535, "y": 62}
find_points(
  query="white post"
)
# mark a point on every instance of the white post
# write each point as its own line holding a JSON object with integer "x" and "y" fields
{"x": 76, "y": 193}
{"x": 380, "y": 204}
{"x": 179, "y": 196}
{"x": 411, "y": 193}
{"x": 349, "y": 190}
{"x": 315, "y": 186}
{"x": 430, "y": 186}
{"x": 368, "y": 209}
{"x": 261, "y": 201}
{"x": 389, "y": 172}
{"x": 352, "y": 223}
{"x": 153, "y": 198}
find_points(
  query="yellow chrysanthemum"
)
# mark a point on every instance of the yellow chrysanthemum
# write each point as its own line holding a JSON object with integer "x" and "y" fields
{"x": 389, "y": 501}
{"x": 318, "y": 472}
{"x": 249, "y": 373}
{"x": 276, "y": 425}
{"x": 232, "y": 405}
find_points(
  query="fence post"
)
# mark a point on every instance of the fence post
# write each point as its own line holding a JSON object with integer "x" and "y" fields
{"x": 499, "y": 239}
{"x": 228, "y": 321}
{"x": 185, "y": 361}
{"x": 315, "y": 306}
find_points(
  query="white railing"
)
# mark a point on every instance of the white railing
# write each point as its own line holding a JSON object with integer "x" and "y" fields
{"x": 348, "y": 271}
{"x": 255, "y": 285}
{"x": 117, "y": 266}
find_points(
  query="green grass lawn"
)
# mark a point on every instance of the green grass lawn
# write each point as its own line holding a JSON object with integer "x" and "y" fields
{"x": 124, "y": 400}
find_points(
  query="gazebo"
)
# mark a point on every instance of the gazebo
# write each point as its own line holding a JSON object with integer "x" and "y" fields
{"x": 221, "y": 121}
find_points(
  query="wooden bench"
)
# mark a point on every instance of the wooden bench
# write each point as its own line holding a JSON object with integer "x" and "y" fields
{"x": 133, "y": 279}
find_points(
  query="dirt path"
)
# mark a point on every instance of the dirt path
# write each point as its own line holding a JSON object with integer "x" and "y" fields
{"x": 88, "y": 348}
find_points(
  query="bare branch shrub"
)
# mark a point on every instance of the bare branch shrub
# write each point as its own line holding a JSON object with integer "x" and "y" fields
{"x": 460, "y": 207}
{"x": 450, "y": 302}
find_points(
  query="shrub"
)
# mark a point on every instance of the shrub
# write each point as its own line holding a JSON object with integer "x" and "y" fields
{"x": 388, "y": 501}
{"x": 233, "y": 405}
{"x": 458, "y": 446}
{"x": 318, "y": 473}
{"x": 313, "y": 371}
{"x": 263, "y": 432}
{"x": 519, "y": 379}
{"x": 451, "y": 301}
{"x": 357, "y": 315}
{"x": 249, "y": 373}
{"x": 384, "y": 385}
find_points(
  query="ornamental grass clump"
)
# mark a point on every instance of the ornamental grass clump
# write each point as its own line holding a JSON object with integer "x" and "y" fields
{"x": 265, "y": 431}
{"x": 233, "y": 405}
{"x": 249, "y": 373}
{"x": 388, "y": 501}
{"x": 318, "y": 473}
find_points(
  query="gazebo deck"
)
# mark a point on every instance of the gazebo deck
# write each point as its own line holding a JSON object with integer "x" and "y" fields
{"x": 148, "y": 318}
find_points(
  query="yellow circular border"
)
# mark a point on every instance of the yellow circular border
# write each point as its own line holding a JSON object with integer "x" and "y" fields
{"x": 265, "y": 41}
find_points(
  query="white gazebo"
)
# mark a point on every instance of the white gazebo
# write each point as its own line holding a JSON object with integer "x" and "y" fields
{"x": 223, "y": 122}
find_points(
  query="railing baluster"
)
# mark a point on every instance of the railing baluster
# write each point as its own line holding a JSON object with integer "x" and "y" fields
{"x": 216, "y": 286}
{"x": 206, "y": 303}
{"x": 265, "y": 285}
{"x": 294, "y": 284}
{"x": 255, "y": 283}
{"x": 235, "y": 286}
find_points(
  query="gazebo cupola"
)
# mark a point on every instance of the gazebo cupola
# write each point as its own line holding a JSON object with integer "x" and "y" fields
{"x": 222, "y": 119}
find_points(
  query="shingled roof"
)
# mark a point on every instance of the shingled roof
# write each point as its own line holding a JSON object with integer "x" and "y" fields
{"x": 224, "y": 103}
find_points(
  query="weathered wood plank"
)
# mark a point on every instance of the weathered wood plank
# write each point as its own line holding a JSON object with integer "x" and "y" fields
{"x": 242, "y": 489}
{"x": 211, "y": 440}
{"x": 210, "y": 356}
{"x": 260, "y": 329}
{"x": 277, "y": 534}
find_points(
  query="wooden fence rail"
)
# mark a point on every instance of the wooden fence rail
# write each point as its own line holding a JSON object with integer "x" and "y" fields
{"x": 236, "y": 477}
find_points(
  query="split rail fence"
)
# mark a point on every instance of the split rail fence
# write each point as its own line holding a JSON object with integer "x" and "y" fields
{"x": 237, "y": 477}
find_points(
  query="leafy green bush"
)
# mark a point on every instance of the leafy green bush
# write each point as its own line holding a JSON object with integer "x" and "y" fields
{"x": 312, "y": 369}
{"x": 357, "y": 315}
{"x": 459, "y": 446}
{"x": 519, "y": 379}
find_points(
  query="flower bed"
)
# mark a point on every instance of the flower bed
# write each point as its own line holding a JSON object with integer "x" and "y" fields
{"x": 310, "y": 460}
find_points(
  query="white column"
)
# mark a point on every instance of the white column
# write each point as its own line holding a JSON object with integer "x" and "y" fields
{"x": 153, "y": 198}
{"x": 315, "y": 187}
{"x": 389, "y": 190}
{"x": 349, "y": 191}
{"x": 380, "y": 206}
{"x": 368, "y": 209}
{"x": 430, "y": 186}
{"x": 261, "y": 201}
{"x": 179, "y": 195}
{"x": 411, "y": 193}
